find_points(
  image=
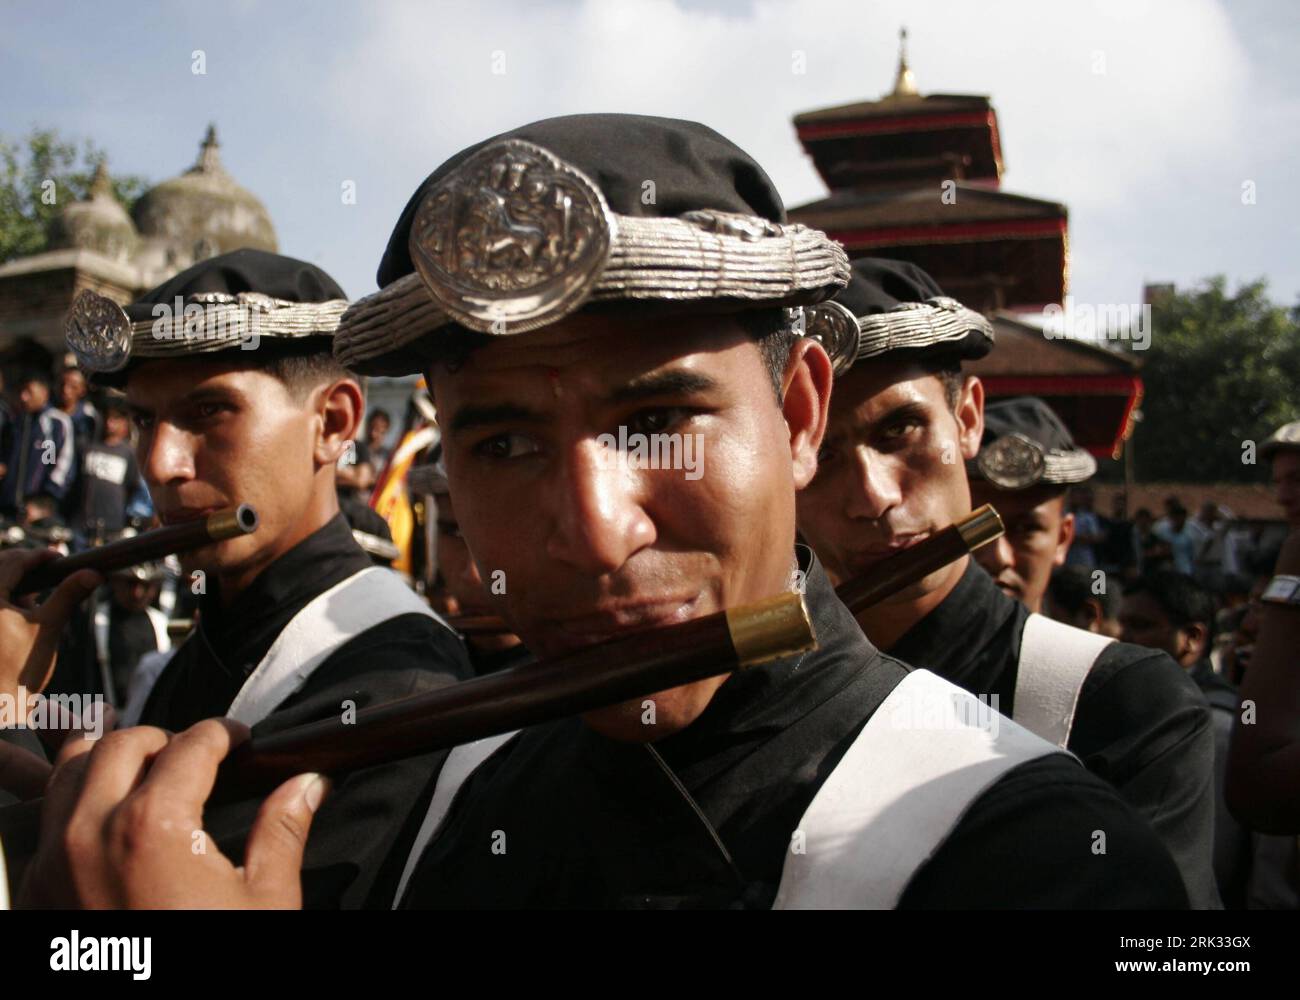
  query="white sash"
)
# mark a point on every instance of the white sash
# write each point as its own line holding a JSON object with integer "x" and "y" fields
{"x": 1054, "y": 662}
{"x": 365, "y": 599}
{"x": 925, "y": 755}
{"x": 459, "y": 765}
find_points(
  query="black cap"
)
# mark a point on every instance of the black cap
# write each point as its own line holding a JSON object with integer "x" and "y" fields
{"x": 1025, "y": 444}
{"x": 692, "y": 167}
{"x": 518, "y": 231}
{"x": 893, "y": 309}
{"x": 230, "y": 302}
{"x": 256, "y": 271}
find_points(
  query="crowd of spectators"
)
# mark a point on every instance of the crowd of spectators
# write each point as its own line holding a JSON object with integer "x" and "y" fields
{"x": 1189, "y": 586}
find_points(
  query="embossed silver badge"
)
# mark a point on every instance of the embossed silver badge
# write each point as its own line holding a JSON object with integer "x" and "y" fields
{"x": 836, "y": 329}
{"x": 512, "y": 239}
{"x": 98, "y": 332}
{"x": 1012, "y": 462}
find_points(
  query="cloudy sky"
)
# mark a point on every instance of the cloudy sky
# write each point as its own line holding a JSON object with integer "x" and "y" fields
{"x": 1145, "y": 117}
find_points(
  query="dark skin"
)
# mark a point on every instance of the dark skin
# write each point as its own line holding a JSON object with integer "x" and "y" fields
{"x": 377, "y": 430}
{"x": 890, "y": 473}
{"x": 624, "y": 548}
{"x": 466, "y": 593}
{"x": 1038, "y": 536}
{"x": 215, "y": 435}
{"x": 211, "y": 435}
{"x": 117, "y": 427}
{"x": 72, "y": 389}
{"x": 1264, "y": 762}
{"x": 602, "y": 547}
{"x": 34, "y": 396}
{"x": 1286, "y": 484}
{"x": 1144, "y": 622}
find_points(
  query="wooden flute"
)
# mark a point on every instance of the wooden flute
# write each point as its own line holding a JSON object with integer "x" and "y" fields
{"x": 144, "y": 547}
{"x": 595, "y": 676}
{"x": 603, "y": 674}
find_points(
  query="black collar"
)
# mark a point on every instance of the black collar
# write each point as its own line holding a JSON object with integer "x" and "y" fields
{"x": 953, "y": 636}
{"x": 323, "y": 559}
{"x": 770, "y": 697}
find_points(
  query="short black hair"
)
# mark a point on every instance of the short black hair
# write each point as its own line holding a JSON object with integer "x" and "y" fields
{"x": 949, "y": 373}
{"x": 1183, "y": 600}
{"x": 31, "y": 375}
{"x": 1071, "y": 588}
{"x": 378, "y": 412}
{"x": 41, "y": 502}
{"x": 301, "y": 366}
{"x": 772, "y": 330}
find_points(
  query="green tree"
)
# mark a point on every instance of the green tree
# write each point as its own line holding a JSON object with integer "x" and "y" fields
{"x": 28, "y": 203}
{"x": 1221, "y": 369}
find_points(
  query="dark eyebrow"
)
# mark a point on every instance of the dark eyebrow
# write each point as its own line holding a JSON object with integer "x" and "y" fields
{"x": 912, "y": 409}
{"x": 469, "y": 417}
{"x": 669, "y": 383}
{"x": 207, "y": 394}
{"x": 203, "y": 394}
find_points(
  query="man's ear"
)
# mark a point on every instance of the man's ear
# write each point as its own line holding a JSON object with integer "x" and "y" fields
{"x": 970, "y": 417}
{"x": 1195, "y": 634}
{"x": 339, "y": 407}
{"x": 805, "y": 404}
{"x": 1094, "y": 614}
{"x": 1064, "y": 537}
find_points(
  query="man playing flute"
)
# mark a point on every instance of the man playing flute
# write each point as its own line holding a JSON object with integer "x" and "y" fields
{"x": 574, "y": 290}
{"x": 905, "y": 424}
{"x": 237, "y": 398}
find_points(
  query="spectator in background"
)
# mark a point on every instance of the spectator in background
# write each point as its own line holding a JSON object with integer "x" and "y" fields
{"x": 461, "y": 591}
{"x": 354, "y": 476}
{"x": 40, "y": 515}
{"x": 1152, "y": 551}
{"x": 1115, "y": 554}
{"x": 1088, "y": 532}
{"x": 1237, "y": 641}
{"x": 1182, "y": 539}
{"x": 41, "y": 457}
{"x": 108, "y": 636}
{"x": 109, "y": 477}
{"x": 377, "y": 427}
{"x": 1264, "y": 769}
{"x": 1211, "y": 524}
{"x": 73, "y": 391}
{"x": 1282, "y": 450}
{"x": 1087, "y": 599}
{"x": 1171, "y": 611}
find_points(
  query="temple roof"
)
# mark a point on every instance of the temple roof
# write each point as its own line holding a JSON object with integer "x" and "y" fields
{"x": 862, "y": 209}
{"x": 202, "y": 213}
{"x": 98, "y": 222}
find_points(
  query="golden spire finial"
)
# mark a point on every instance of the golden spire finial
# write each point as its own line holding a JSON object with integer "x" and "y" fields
{"x": 209, "y": 161}
{"x": 904, "y": 82}
{"x": 100, "y": 185}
